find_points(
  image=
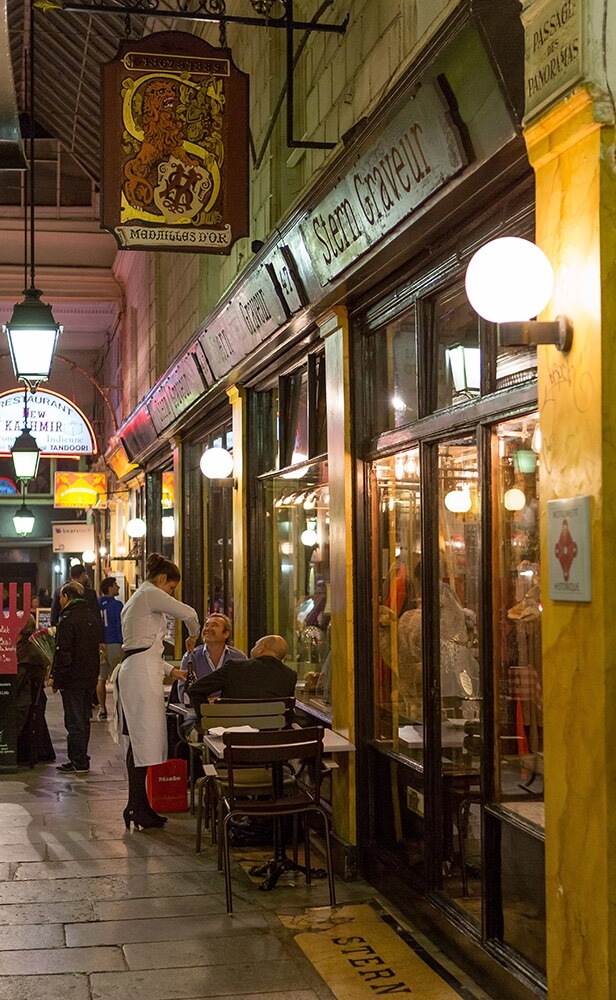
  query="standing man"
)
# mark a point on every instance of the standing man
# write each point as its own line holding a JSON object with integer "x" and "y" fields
{"x": 111, "y": 651}
{"x": 74, "y": 672}
{"x": 77, "y": 574}
{"x": 264, "y": 675}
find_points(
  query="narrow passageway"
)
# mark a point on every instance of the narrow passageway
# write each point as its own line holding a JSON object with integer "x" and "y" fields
{"x": 89, "y": 911}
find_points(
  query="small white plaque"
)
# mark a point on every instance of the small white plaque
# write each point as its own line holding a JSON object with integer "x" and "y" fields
{"x": 569, "y": 562}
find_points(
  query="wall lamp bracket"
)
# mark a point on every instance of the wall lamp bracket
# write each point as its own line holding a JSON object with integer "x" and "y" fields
{"x": 530, "y": 333}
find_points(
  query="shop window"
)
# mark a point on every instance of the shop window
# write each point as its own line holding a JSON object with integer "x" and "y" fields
{"x": 395, "y": 381}
{"x": 168, "y": 515}
{"x": 456, "y": 342}
{"x": 396, "y": 567}
{"x": 517, "y": 618}
{"x": 297, "y": 573}
{"x": 301, "y": 421}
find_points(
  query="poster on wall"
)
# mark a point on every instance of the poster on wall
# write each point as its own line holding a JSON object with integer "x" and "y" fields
{"x": 175, "y": 145}
{"x": 569, "y": 560}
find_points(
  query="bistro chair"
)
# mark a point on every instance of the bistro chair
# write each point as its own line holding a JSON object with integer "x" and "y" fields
{"x": 272, "y": 751}
{"x": 261, "y": 714}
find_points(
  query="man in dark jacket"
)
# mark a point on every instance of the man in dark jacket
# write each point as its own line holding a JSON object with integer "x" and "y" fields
{"x": 74, "y": 672}
{"x": 77, "y": 575}
{"x": 264, "y": 675}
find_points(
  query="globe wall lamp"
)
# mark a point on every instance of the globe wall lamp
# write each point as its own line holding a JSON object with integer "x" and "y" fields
{"x": 510, "y": 280}
{"x": 136, "y": 528}
{"x": 458, "y": 500}
{"x": 217, "y": 463}
{"x": 168, "y": 526}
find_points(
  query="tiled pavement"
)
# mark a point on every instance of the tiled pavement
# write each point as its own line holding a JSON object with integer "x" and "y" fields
{"x": 89, "y": 911}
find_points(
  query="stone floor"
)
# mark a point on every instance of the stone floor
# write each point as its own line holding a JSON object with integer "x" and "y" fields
{"x": 89, "y": 911}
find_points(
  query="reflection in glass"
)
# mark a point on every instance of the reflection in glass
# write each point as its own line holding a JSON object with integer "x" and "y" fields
{"x": 456, "y": 328}
{"x": 396, "y": 373}
{"x": 459, "y": 670}
{"x": 298, "y": 597}
{"x": 517, "y": 649}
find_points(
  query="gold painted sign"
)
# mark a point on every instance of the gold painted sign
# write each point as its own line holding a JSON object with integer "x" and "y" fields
{"x": 175, "y": 145}
{"x": 552, "y": 51}
{"x": 79, "y": 489}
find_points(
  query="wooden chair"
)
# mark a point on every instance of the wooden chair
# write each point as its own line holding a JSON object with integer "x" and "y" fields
{"x": 271, "y": 751}
{"x": 260, "y": 713}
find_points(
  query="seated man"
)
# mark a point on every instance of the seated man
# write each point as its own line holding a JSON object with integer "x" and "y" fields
{"x": 264, "y": 675}
{"x": 215, "y": 651}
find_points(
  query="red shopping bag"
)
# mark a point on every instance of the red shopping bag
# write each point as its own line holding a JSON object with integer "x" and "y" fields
{"x": 167, "y": 786}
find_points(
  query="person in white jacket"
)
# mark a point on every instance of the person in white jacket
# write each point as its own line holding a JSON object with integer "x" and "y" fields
{"x": 140, "y": 680}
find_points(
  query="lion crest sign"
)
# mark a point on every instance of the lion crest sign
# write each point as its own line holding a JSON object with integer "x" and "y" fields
{"x": 175, "y": 145}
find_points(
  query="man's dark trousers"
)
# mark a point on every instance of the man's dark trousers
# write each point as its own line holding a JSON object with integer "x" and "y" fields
{"x": 77, "y": 711}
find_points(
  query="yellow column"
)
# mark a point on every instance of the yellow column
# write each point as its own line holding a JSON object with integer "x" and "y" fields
{"x": 237, "y": 398}
{"x": 573, "y": 158}
{"x": 334, "y": 329}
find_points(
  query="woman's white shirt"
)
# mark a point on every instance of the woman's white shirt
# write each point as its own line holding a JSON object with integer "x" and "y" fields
{"x": 143, "y": 616}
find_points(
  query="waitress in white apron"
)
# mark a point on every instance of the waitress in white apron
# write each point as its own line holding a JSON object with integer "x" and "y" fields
{"x": 140, "y": 680}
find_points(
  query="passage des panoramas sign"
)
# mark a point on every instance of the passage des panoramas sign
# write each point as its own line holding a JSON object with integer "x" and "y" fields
{"x": 175, "y": 141}
{"x": 59, "y": 427}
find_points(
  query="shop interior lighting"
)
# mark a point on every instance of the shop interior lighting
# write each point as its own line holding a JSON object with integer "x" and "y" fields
{"x": 465, "y": 366}
{"x": 458, "y": 500}
{"x": 168, "y": 526}
{"x": 510, "y": 280}
{"x": 514, "y": 499}
{"x": 309, "y": 538}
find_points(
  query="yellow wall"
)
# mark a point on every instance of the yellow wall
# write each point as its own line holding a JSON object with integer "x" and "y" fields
{"x": 576, "y": 199}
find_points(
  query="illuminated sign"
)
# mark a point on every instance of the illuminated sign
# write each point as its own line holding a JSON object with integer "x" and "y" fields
{"x": 59, "y": 428}
{"x": 80, "y": 489}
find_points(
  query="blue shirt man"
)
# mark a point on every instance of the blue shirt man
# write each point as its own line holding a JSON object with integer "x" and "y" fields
{"x": 214, "y": 652}
{"x": 110, "y": 611}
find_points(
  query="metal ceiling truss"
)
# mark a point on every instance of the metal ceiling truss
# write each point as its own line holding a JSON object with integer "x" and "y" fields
{"x": 215, "y": 11}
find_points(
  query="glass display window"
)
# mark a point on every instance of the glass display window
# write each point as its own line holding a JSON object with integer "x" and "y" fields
{"x": 218, "y": 498}
{"x": 396, "y": 568}
{"x": 298, "y": 580}
{"x": 517, "y": 618}
{"x": 395, "y": 397}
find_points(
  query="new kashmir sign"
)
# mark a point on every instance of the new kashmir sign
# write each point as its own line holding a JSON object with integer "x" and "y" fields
{"x": 58, "y": 426}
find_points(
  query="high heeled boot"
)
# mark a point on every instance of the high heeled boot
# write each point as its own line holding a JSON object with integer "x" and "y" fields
{"x": 138, "y": 809}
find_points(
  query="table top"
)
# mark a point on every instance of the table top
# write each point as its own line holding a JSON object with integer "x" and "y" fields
{"x": 332, "y": 743}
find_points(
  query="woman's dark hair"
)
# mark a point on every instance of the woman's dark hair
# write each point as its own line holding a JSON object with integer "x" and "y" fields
{"x": 157, "y": 564}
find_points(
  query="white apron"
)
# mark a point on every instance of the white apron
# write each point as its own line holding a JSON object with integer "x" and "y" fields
{"x": 141, "y": 702}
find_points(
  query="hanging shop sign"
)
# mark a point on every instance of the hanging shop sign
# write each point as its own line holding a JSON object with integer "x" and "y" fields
{"x": 60, "y": 428}
{"x": 72, "y": 536}
{"x": 80, "y": 489}
{"x": 552, "y": 51}
{"x": 175, "y": 141}
{"x": 416, "y": 154}
{"x": 117, "y": 459}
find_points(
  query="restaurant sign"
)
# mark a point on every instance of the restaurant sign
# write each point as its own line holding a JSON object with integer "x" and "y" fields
{"x": 59, "y": 427}
{"x": 176, "y": 393}
{"x": 417, "y": 153}
{"x": 175, "y": 141}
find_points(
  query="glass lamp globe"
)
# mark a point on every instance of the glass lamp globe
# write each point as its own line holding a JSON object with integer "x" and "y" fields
{"x": 89, "y": 556}
{"x": 509, "y": 280}
{"x": 458, "y": 501}
{"x": 136, "y": 527}
{"x": 216, "y": 463}
{"x": 514, "y": 499}
{"x": 309, "y": 538}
